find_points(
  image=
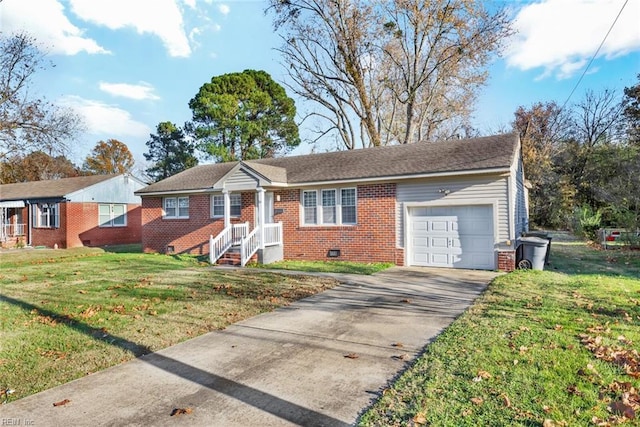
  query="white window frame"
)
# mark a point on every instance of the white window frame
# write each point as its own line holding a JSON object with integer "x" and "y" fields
{"x": 319, "y": 207}
{"x": 304, "y": 207}
{"x": 235, "y": 200}
{"x": 112, "y": 215}
{"x": 39, "y": 214}
{"x": 177, "y": 207}
{"x": 355, "y": 206}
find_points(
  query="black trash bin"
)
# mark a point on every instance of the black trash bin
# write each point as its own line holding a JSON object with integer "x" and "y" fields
{"x": 542, "y": 235}
{"x": 531, "y": 253}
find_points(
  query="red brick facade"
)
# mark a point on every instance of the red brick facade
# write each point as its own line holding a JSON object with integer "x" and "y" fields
{"x": 78, "y": 226}
{"x": 189, "y": 235}
{"x": 371, "y": 240}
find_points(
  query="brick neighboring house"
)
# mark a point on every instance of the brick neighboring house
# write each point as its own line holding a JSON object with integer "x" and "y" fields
{"x": 82, "y": 211}
{"x": 460, "y": 204}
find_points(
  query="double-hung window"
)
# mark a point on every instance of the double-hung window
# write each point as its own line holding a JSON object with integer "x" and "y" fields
{"x": 348, "y": 205}
{"x": 47, "y": 215}
{"x": 111, "y": 215}
{"x": 235, "y": 205}
{"x": 310, "y": 205}
{"x": 329, "y": 207}
{"x": 176, "y": 207}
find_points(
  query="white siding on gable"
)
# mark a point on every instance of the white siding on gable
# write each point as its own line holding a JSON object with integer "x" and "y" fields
{"x": 119, "y": 189}
{"x": 489, "y": 188}
{"x": 241, "y": 180}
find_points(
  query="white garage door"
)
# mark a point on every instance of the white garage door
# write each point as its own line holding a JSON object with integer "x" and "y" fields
{"x": 456, "y": 237}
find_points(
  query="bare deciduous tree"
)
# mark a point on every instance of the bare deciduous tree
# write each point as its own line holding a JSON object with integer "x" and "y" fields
{"x": 392, "y": 71}
{"x": 29, "y": 123}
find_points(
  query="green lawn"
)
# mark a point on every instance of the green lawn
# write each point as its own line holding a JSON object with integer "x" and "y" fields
{"x": 540, "y": 348}
{"x": 67, "y": 313}
{"x": 327, "y": 266}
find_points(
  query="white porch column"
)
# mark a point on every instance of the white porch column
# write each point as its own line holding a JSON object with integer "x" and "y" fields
{"x": 227, "y": 208}
{"x": 261, "y": 215}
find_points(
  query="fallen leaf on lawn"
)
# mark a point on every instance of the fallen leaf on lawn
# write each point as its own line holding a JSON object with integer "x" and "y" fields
{"x": 524, "y": 329}
{"x": 419, "y": 418}
{"x": 82, "y": 291}
{"x": 558, "y": 327}
{"x": 523, "y": 349}
{"x": 351, "y": 356}
{"x": 477, "y": 400}
{"x": 467, "y": 412}
{"x": 181, "y": 411}
{"x": 152, "y": 313}
{"x": 506, "y": 401}
{"x": 484, "y": 375}
{"x": 546, "y": 409}
{"x": 62, "y": 402}
{"x": 620, "y": 408}
{"x": 573, "y": 389}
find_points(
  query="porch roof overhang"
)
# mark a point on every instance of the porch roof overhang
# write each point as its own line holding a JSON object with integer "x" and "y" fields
{"x": 12, "y": 204}
{"x": 259, "y": 176}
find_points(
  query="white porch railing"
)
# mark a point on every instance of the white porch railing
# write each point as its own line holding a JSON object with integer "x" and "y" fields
{"x": 12, "y": 230}
{"x": 231, "y": 235}
{"x": 239, "y": 231}
{"x": 238, "y": 234}
{"x": 248, "y": 246}
{"x": 273, "y": 234}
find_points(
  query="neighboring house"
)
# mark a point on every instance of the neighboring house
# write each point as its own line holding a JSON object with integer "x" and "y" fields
{"x": 83, "y": 211}
{"x": 460, "y": 204}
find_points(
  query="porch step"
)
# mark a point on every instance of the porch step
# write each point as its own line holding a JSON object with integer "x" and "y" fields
{"x": 230, "y": 258}
{"x": 233, "y": 257}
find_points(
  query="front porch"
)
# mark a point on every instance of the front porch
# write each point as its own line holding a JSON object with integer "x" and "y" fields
{"x": 242, "y": 245}
{"x": 237, "y": 242}
{"x": 12, "y": 227}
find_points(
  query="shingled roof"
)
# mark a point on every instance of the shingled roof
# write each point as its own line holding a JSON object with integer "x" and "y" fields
{"x": 49, "y": 188}
{"x": 395, "y": 161}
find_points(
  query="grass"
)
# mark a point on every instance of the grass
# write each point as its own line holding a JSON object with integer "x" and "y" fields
{"x": 539, "y": 348}
{"x": 67, "y": 313}
{"x": 328, "y": 266}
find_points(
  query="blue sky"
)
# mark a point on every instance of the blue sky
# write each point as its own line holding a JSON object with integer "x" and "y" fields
{"x": 126, "y": 65}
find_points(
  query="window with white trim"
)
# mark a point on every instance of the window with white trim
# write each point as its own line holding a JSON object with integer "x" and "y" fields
{"x": 46, "y": 215}
{"x": 329, "y": 207}
{"x": 112, "y": 215}
{"x": 310, "y": 205}
{"x": 348, "y": 205}
{"x": 176, "y": 207}
{"x": 235, "y": 205}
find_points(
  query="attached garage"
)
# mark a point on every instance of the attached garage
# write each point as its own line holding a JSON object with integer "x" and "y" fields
{"x": 451, "y": 236}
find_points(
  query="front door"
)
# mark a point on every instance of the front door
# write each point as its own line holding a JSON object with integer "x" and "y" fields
{"x": 268, "y": 205}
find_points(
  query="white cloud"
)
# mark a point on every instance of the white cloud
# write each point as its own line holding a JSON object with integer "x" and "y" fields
{"x": 190, "y": 3}
{"x": 139, "y": 92}
{"x": 161, "y": 18}
{"x": 562, "y": 35}
{"x": 45, "y": 20}
{"x": 102, "y": 118}
{"x": 224, "y": 9}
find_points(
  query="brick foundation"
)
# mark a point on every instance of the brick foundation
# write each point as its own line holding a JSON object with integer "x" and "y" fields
{"x": 506, "y": 260}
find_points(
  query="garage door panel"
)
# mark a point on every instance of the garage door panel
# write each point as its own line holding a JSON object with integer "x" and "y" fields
{"x": 455, "y": 236}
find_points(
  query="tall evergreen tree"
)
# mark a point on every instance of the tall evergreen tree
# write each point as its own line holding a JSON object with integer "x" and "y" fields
{"x": 169, "y": 151}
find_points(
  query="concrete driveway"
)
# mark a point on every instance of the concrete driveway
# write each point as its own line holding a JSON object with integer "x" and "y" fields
{"x": 282, "y": 368}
